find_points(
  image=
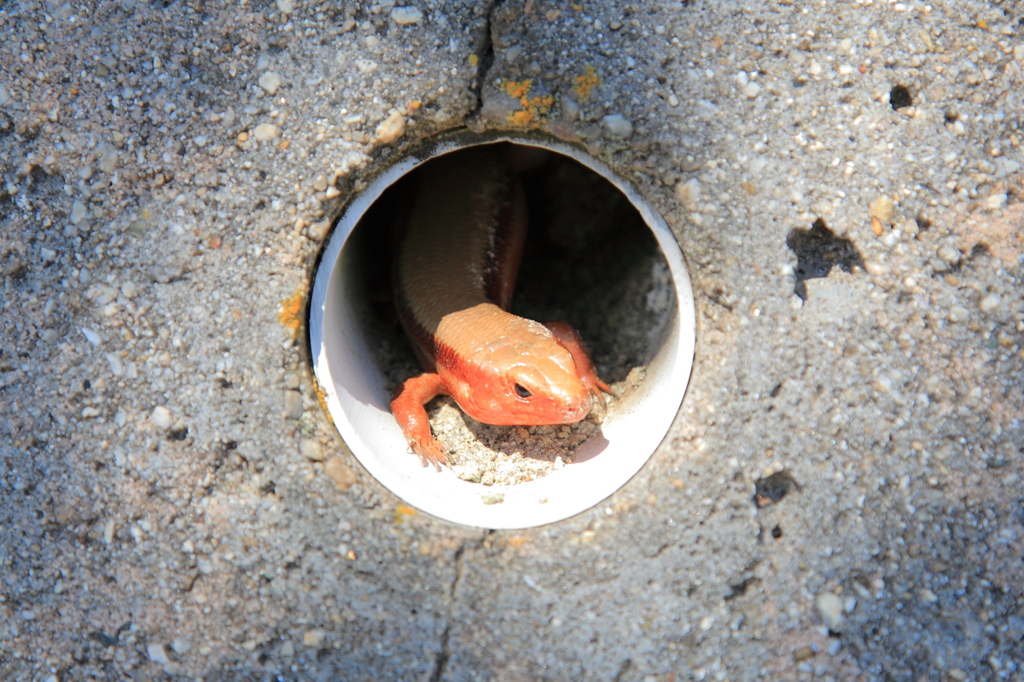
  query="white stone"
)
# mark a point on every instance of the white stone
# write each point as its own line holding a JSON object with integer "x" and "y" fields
{"x": 286, "y": 6}
{"x": 91, "y": 336}
{"x": 116, "y": 366}
{"x": 989, "y": 303}
{"x": 830, "y": 607}
{"x": 617, "y": 125}
{"x": 405, "y": 16}
{"x": 270, "y": 82}
{"x": 265, "y": 131}
{"x": 108, "y": 160}
{"x": 948, "y": 253}
{"x": 78, "y": 212}
{"x": 995, "y": 201}
{"x": 181, "y": 645}
{"x": 161, "y": 417}
{"x": 311, "y": 449}
{"x": 314, "y": 638}
{"x": 751, "y": 90}
{"x": 5, "y": 95}
{"x": 157, "y": 654}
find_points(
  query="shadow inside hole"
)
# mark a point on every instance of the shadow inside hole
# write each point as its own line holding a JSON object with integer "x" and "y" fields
{"x": 771, "y": 489}
{"x": 589, "y": 260}
{"x": 817, "y": 251}
{"x": 899, "y": 97}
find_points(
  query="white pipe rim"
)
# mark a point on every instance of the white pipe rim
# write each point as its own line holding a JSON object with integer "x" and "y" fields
{"x": 353, "y": 386}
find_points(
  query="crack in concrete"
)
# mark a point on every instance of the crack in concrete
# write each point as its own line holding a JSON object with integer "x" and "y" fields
{"x": 441, "y": 662}
{"x": 485, "y": 59}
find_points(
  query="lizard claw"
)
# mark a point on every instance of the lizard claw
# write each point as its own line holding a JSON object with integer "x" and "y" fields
{"x": 597, "y": 387}
{"x": 430, "y": 452}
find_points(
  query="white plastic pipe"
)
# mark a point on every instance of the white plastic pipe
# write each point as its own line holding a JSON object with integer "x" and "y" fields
{"x": 349, "y": 374}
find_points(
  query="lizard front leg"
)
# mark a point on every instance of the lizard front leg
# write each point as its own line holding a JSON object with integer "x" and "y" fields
{"x": 408, "y": 408}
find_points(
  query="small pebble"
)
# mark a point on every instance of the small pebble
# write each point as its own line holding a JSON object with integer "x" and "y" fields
{"x": 882, "y": 209}
{"x": 314, "y": 638}
{"x": 286, "y": 6}
{"x": 181, "y": 645}
{"x": 292, "y": 405}
{"x": 831, "y": 609}
{"x": 995, "y": 201}
{"x": 803, "y": 653}
{"x": 161, "y": 417}
{"x": 404, "y": 16}
{"x": 311, "y": 449}
{"x": 570, "y": 110}
{"x": 989, "y": 303}
{"x": 958, "y": 314}
{"x": 949, "y": 254}
{"x": 157, "y": 654}
{"x": 834, "y": 647}
{"x": 78, "y": 212}
{"x": 108, "y": 161}
{"x": 270, "y": 82}
{"x": 265, "y": 131}
{"x": 617, "y": 125}
{"x": 688, "y": 193}
{"x": 751, "y": 90}
{"x": 392, "y": 128}
{"x": 340, "y": 473}
{"x": 91, "y": 336}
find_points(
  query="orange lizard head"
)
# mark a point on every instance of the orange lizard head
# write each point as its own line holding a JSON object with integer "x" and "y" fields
{"x": 525, "y": 378}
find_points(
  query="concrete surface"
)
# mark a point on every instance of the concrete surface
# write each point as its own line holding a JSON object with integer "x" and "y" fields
{"x": 840, "y": 497}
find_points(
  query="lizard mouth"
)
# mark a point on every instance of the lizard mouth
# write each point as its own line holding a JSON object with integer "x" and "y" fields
{"x": 578, "y": 409}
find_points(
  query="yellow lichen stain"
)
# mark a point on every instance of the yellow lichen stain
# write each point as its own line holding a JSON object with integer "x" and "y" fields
{"x": 517, "y": 541}
{"x": 402, "y": 512}
{"x": 517, "y": 89}
{"x": 586, "y": 83}
{"x": 290, "y": 314}
{"x": 473, "y": 60}
{"x": 533, "y": 108}
{"x": 321, "y": 397}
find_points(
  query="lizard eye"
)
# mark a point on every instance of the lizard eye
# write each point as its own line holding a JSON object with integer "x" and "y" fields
{"x": 523, "y": 391}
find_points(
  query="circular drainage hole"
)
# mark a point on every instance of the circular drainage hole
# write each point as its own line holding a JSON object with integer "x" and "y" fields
{"x": 597, "y": 256}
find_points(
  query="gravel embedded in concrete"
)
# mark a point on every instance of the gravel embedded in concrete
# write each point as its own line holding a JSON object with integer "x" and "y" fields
{"x": 155, "y": 244}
